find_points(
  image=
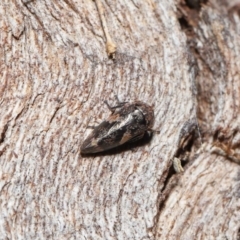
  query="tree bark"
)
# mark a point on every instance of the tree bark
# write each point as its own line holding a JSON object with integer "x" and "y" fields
{"x": 180, "y": 57}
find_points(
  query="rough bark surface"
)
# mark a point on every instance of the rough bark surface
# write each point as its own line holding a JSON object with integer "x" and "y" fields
{"x": 55, "y": 72}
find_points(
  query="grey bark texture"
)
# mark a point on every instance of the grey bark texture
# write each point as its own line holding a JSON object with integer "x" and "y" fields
{"x": 181, "y": 57}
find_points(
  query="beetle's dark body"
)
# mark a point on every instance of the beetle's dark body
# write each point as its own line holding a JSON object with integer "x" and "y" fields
{"x": 128, "y": 122}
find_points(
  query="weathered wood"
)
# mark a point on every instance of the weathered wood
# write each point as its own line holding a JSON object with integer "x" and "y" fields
{"x": 55, "y": 73}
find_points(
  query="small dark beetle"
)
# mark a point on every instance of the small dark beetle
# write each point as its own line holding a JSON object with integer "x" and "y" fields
{"x": 127, "y": 123}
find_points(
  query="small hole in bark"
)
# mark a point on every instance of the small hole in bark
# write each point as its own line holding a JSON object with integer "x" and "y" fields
{"x": 183, "y": 23}
{"x": 3, "y": 133}
{"x": 195, "y": 4}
